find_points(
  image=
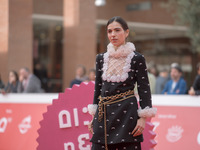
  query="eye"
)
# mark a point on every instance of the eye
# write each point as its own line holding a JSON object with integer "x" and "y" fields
{"x": 109, "y": 31}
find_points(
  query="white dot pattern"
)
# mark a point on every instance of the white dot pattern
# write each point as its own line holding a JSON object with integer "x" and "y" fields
{"x": 137, "y": 73}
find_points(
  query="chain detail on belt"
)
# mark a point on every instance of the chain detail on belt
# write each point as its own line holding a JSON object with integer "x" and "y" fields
{"x": 111, "y": 100}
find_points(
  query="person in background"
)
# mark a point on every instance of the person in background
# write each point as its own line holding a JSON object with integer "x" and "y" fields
{"x": 161, "y": 80}
{"x": 195, "y": 89}
{"x": 152, "y": 73}
{"x": 152, "y": 82}
{"x": 91, "y": 75}
{"x": 80, "y": 75}
{"x": 177, "y": 84}
{"x": 1, "y": 84}
{"x": 13, "y": 82}
{"x": 29, "y": 83}
{"x": 152, "y": 69}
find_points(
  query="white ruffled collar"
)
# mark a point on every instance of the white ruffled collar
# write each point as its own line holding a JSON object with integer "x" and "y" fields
{"x": 122, "y": 51}
{"x": 125, "y": 53}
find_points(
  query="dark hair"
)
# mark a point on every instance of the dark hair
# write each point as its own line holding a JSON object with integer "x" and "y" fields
{"x": 177, "y": 67}
{"x": 15, "y": 74}
{"x": 120, "y": 21}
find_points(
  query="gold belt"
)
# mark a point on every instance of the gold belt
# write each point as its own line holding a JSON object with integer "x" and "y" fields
{"x": 111, "y": 100}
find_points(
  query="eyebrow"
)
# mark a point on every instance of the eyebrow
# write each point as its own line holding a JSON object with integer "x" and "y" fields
{"x": 114, "y": 28}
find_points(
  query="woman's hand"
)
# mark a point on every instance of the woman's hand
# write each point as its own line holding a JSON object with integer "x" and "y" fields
{"x": 191, "y": 91}
{"x": 90, "y": 127}
{"x": 139, "y": 127}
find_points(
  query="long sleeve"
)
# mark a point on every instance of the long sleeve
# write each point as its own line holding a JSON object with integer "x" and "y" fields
{"x": 166, "y": 88}
{"x": 197, "y": 92}
{"x": 33, "y": 86}
{"x": 182, "y": 87}
{"x": 98, "y": 84}
{"x": 98, "y": 79}
{"x": 143, "y": 87}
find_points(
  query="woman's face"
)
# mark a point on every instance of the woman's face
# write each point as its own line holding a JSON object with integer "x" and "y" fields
{"x": 91, "y": 76}
{"x": 79, "y": 72}
{"x": 12, "y": 77}
{"x": 116, "y": 34}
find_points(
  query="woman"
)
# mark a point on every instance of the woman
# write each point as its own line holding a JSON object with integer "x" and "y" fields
{"x": 80, "y": 75}
{"x": 117, "y": 72}
{"x": 12, "y": 83}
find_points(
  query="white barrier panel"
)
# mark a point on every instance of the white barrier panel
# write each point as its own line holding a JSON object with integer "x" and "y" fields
{"x": 19, "y": 119}
{"x": 177, "y": 124}
{"x": 28, "y": 98}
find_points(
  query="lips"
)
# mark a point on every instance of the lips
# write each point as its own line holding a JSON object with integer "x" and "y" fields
{"x": 113, "y": 40}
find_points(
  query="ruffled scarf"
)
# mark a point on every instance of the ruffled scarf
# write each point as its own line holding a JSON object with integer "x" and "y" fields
{"x": 122, "y": 51}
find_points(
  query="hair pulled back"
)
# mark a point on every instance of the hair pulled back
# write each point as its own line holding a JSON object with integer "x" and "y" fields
{"x": 120, "y": 21}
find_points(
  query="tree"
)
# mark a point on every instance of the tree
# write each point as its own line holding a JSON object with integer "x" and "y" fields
{"x": 187, "y": 13}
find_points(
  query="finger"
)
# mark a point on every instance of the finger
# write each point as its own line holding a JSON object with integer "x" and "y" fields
{"x": 141, "y": 129}
{"x": 91, "y": 131}
{"x": 90, "y": 128}
{"x": 135, "y": 129}
{"x": 138, "y": 132}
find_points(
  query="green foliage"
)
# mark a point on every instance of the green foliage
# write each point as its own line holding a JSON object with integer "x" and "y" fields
{"x": 187, "y": 12}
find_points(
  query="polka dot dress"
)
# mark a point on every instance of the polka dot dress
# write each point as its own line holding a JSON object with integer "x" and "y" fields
{"x": 121, "y": 117}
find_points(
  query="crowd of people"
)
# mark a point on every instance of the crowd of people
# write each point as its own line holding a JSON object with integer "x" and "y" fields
{"x": 25, "y": 82}
{"x": 166, "y": 82}
{"x": 82, "y": 76}
{"x": 173, "y": 82}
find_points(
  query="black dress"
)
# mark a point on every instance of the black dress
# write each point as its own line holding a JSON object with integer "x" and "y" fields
{"x": 121, "y": 117}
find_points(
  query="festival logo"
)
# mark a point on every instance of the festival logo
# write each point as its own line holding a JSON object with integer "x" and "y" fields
{"x": 64, "y": 125}
{"x": 3, "y": 124}
{"x": 174, "y": 134}
{"x": 25, "y": 125}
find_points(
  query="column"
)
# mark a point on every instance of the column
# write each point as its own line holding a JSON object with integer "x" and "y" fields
{"x": 16, "y": 26}
{"x": 79, "y": 37}
{"x": 3, "y": 38}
